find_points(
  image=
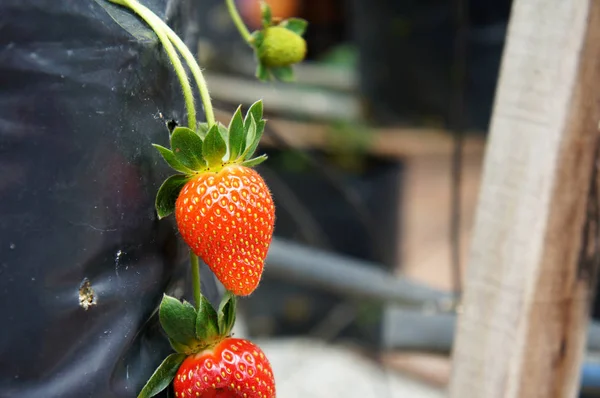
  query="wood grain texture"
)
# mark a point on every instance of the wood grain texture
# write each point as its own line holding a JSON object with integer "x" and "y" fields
{"x": 533, "y": 257}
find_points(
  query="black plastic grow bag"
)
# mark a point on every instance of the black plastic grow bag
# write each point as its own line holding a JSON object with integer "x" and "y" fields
{"x": 81, "y": 101}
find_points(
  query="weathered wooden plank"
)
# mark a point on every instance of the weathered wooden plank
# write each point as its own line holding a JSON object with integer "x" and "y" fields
{"x": 534, "y": 257}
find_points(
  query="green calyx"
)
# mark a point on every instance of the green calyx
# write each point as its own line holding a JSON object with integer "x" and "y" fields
{"x": 278, "y": 45}
{"x": 209, "y": 149}
{"x": 190, "y": 331}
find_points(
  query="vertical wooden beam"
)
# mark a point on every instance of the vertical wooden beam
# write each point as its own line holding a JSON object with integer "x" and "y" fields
{"x": 534, "y": 252}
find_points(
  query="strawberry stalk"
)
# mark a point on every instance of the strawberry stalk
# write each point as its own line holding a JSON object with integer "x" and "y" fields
{"x": 169, "y": 38}
{"x": 237, "y": 20}
{"x": 195, "y": 266}
{"x": 157, "y": 26}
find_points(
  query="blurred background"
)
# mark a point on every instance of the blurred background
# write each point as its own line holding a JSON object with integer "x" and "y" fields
{"x": 375, "y": 157}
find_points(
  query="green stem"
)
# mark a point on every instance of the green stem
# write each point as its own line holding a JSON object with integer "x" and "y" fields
{"x": 196, "y": 279}
{"x": 150, "y": 18}
{"x": 196, "y": 72}
{"x": 237, "y": 20}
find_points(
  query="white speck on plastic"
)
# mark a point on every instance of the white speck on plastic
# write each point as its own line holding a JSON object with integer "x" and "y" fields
{"x": 117, "y": 260}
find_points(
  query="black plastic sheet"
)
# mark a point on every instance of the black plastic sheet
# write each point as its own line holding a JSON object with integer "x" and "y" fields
{"x": 82, "y": 98}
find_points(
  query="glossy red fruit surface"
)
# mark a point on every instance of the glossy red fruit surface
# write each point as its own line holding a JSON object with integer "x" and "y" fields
{"x": 235, "y": 368}
{"x": 227, "y": 219}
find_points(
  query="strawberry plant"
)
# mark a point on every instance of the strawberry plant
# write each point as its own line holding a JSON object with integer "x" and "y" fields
{"x": 225, "y": 214}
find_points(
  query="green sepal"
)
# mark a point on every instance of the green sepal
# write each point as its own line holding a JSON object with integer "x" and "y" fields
{"x": 237, "y": 134}
{"x": 255, "y": 110}
{"x": 207, "y": 326}
{"x": 187, "y": 148}
{"x": 162, "y": 376}
{"x": 262, "y": 72}
{"x": 178, "y": 319}
{"x": 168, "y": 193}
{"x": 226, "y": 313}
{"x": 178, "y": 347}
{"x": 260, "y": 127}
{"x": 250, "y": 134}
{"x": 256, "y": 38}
{"x": 255, "y": 161}
{"x": 296, "y": 25}
{"x": 283, "y": 73}
{"x": 224, "y": 132}
{"x": 214, "y": 146}
{"x": 255, "y": 132}
{"x": 171, "y": 160}
{"x": 266, "y": 14}
{"x": 202, "y": 129}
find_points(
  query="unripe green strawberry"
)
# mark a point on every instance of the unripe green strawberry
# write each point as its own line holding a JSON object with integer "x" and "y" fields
{"x": 281, "y": 47}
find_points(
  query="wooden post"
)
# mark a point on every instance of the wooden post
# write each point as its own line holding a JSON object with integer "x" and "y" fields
{"x": 535, "y": 250}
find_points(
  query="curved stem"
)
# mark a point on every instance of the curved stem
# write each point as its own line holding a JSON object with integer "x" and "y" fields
{"x": 196, "y": 279}
{"x": 149, "y": 17}
{"x": 194, "y": 68}
{"x": 237, "y": 20}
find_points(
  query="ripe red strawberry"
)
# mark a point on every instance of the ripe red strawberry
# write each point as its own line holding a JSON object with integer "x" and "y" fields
{"x": 231, "y": 369}
{"x": 223, "y": 208}
{"x": 227, "y": 219}
{"x": 209, "y": 363}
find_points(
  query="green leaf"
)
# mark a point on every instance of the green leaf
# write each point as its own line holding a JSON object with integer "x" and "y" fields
{"x": 224, "y": 132}
{"x": 265, "y": 11}
{"x": 226, "y": 314}
{"x": 296, "y": 25}
{"x": 180, "y": 348}
{"x": 283, "y": 73}
{"x": 256, "y": 135}
{"x": 162, "y": 376}
{"x": 255, "y": 110}
{"x": 262, "y": 72}
{"x": 168, "y": 193}
{"x": 178, "y": 320}
{"x": 202, "y": 129}
{"x": 255, "y": 161}
{"x": 171, "y": 160}
{"x": 236, "y": 134}
{"x": 207, "y": 326}
{"x": 187, "y": 148}
{"x": 250, "y": 136}
{"x": 214, "y": 147}
{"x": 257, "y": 38}
{"x": 260, "y": 126}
